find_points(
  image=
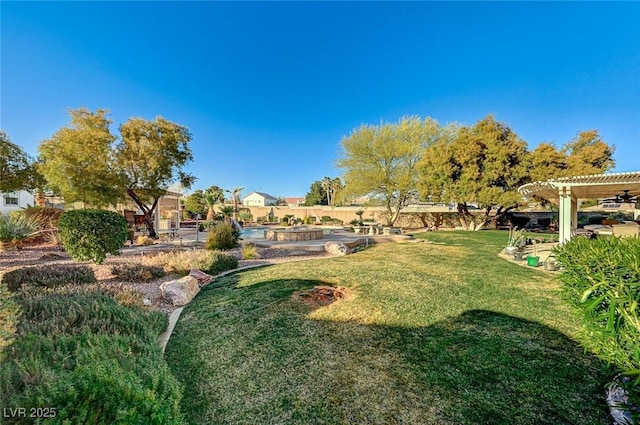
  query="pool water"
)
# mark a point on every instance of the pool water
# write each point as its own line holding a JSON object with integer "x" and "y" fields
{"x": 258, "y": 232}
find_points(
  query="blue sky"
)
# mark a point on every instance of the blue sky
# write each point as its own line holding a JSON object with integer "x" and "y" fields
{"x": 269, "y": 89}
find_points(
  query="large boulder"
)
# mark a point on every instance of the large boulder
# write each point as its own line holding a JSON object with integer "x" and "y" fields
{"x": 336, "y": 248}
{"x": 180, "y": 292}
{"x": 202, "y": 277}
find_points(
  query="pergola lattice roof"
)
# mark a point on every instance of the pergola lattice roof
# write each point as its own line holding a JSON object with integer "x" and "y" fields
{"x": 586, "y": 187}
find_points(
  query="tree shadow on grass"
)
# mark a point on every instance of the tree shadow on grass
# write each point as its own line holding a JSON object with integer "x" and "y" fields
{"x": 265, "y": 361}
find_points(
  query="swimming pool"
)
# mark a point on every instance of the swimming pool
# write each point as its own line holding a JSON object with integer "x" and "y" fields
{"x": 258, "y": 232}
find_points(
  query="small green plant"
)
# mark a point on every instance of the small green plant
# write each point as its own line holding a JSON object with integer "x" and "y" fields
{"x": 355, "y": 222}
{"x": 137, "y": 272}
{"x": 249, "y": 251}
{"x": 517, "y": 238}
{"x": 222, "y": 236}
{"x": 144, "y": 240}
{"x": 325, "y": 219}
{"x": 245, "y": 216}
{"x": 601, "y": 279}
{"x": 16, "y": 228}
{"x": 92, "y": 234}
{"x": 309, "y": 220}
{"x": 48, "y": 276}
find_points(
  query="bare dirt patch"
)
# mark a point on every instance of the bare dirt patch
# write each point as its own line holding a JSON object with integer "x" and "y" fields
{"x": 321, "y": 295}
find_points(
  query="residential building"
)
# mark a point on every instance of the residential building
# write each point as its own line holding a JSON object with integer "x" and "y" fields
{"x": 15, "y": 201}
{"x": 259, "y": 199}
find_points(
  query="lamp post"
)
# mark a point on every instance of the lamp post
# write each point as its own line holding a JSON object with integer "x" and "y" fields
{"x": 197, "y": 228}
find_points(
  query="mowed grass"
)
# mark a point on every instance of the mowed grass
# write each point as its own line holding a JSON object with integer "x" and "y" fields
{"x": 437, "y": 333}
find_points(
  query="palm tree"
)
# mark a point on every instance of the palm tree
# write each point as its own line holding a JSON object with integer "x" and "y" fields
{"x": 235, "y": 195}
{"x": 331, "y": 186}
{"x": 211, "y": 196}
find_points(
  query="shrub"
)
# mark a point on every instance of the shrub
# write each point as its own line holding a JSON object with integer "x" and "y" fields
{"x": 137, "y": 272}
{"x": 602, "y": 280}
{"x": 249, "y": 251}
{"x": 144, "y": 240}
{"x": 93, "y": 360}
{"x": 48, "y": 276}
{"x": 354, "y": 222}
{"x": 309, "y": 220}
{"x": 337, "y": 221}
{"x": 92, "y": 234}
{"x": 181, "y": 262}
{"x": 222, "y": 236}
{"x": 325, "y": 219}
{"x": 245, "y": 216}
{"x": 16, "y": 228}
{"x": 47, "y": 217}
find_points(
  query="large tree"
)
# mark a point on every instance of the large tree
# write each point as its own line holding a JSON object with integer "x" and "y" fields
{"x": 78, "y": 161}
{"x": 149, "y": 158}
{"x": 483, "y": 164}
{"x": 195, "y": 203}
{"x": 85, "y": 162}
{"x": 587, "y": 153}
{"x": 316, "y": 195}
{"x": 381, "y": 161}
{"x": 15, "y": 167}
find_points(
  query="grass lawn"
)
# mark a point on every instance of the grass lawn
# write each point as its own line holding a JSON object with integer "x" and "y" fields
{"x": 441, "y": 333}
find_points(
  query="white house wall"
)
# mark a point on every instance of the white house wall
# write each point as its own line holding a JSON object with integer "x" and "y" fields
{"x": 25, "y": 199}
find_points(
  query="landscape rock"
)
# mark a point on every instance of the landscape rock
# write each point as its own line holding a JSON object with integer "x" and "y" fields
{"x": 180, "y": 292}
{"x": 336, "y": 248}
{"x": 146, "y": 302}
{"x": 202, "y": 277}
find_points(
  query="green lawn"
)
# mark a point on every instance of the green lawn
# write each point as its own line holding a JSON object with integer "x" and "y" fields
{"x": 441, "y": 333}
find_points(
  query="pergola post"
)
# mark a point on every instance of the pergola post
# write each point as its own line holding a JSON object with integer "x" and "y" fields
{"x": 568, "y": 214}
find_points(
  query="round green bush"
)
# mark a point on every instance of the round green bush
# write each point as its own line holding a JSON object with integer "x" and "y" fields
{"x": 222, "y": 236}
{"x": 92, "y": 234}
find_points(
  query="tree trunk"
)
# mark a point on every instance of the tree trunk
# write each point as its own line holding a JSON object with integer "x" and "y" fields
{"x": 463, "y": 211}
{"x": 148, "y": 212}
{"x": 210, "y": 213}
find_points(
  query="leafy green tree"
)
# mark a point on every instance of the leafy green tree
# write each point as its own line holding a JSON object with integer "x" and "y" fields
{"x": 83, "y": 162}
{"x": 316, "y": 195}
{"x": 78, "y": 160}
{"x": 588, "y": 153}
{"x": 382, "y": 161}
{"x": 15, "y": 168}
{"x": 547, "y": 162}
{"x": 211, "y": 196}
{"x": 195, "y": 203}
{"x": 483, "y": 164}
{"x": 149, "y": 158}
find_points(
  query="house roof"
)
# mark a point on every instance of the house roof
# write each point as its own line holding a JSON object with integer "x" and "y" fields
{"x": 585, "y": 187}
{"x": 293, "y": 200}
{"x": 264, "y": 195}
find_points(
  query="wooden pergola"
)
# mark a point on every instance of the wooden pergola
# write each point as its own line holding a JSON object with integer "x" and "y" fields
{"x": 567, "y": 190}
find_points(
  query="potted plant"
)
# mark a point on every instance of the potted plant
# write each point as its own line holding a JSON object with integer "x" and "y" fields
{"x": 534, "y": 260}
{"x": 516, "y": 240}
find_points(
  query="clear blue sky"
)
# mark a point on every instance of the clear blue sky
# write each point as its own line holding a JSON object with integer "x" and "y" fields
{"x": 269, "y": 89}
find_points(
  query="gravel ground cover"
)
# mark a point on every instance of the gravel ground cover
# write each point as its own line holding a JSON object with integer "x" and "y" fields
{"x": 39, "y": 255}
